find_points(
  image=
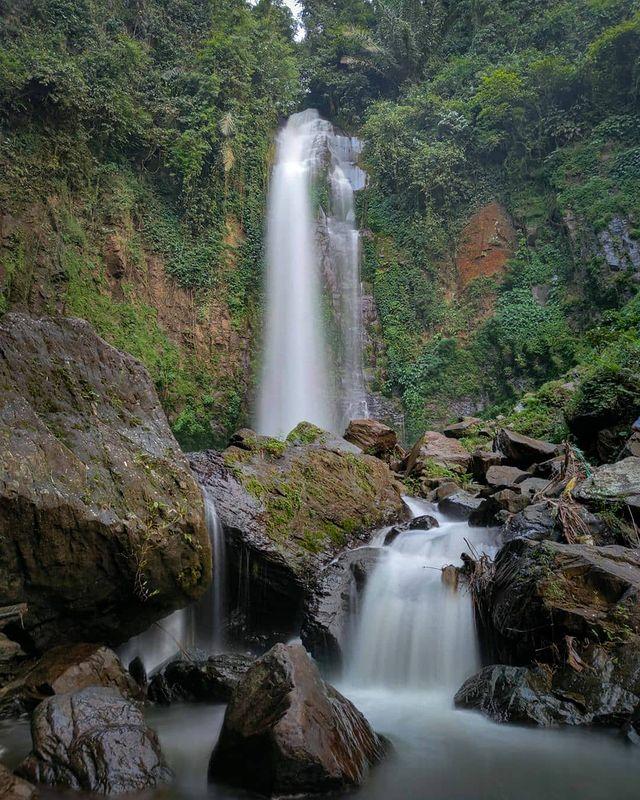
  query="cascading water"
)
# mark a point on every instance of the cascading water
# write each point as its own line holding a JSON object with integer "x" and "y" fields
{"x": 200, "y": 626}
{"x": 415, "y": 631}
{"x": 302, "y": 377}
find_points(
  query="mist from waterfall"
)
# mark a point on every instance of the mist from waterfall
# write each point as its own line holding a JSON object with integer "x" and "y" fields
{"x": 312, "y": 345}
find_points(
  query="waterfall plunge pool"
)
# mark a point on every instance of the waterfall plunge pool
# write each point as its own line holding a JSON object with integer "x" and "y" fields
{"x": 406, "y": 691}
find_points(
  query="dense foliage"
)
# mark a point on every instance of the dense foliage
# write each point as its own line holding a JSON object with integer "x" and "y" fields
{"x": 145, "y": 128}
{"x": 534, "y": 104}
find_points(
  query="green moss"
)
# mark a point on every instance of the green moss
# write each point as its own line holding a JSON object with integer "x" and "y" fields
{"x": 306, "y": 433}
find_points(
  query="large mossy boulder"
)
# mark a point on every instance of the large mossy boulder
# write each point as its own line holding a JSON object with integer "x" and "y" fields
{"x": 94, "y": 741}
{"x": 433, "y": 453}
{"x": 613, "y": 486}
{"x": 101, "y": 523}
{"x": 288, "y": 508}
{"x": 287, "y": 732}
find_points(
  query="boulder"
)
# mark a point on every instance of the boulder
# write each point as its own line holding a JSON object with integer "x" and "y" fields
{"x": 68, "y": 669}
{"x": 208, "y": 680}
{"x": 101, "y": 522}
{"x": 632, "y": 446}
{"x": 542, "y": 592}
{"x": 521, "y": 450}
{"x": 613, "y": 485}
{"x": 436, "y": 449}
{"x": 444, "y": 490}
{"x": 481, "y": 460}
{"x": 600, "y": 686}
{"x": 297, "y": 733}
{"x": 372, "y": 437}
{"x": 491, "y": 509}
{"x": 14, "y": 788}
{"x": 425, "y": 522}
{"x": 329, "y": 611}
{"x": 94, "y": 740}
{"x": 535, "y": 522}
{"x": 530, "y": 487}
{"x": 287, "y": 509}
{"x": 458, "y": 430}
{"x": 459, "y": 505}
{"x": 503, "y": 477}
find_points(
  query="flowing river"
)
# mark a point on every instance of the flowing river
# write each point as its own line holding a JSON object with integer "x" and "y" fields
{"x": 414, "y": 643}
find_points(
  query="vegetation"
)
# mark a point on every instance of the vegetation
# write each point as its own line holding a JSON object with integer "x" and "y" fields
{"x": 533, "y": 105}
{"x": 134, "y": 160}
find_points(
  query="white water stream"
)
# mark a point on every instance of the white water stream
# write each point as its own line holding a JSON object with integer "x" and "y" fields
{"x": 313, "y": 283}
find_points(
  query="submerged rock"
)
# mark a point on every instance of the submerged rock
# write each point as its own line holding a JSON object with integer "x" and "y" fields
{"x": 327, "y": 614}
{"x": 95, "y": 741}
{"x": 101, "y": 523}
{"x": 287, "y": 509}
{"x": 372, "y": 437}
{"x": 287, "y": 732}
{"x": 14, "y": 788}
{"x": 209, "y": 680}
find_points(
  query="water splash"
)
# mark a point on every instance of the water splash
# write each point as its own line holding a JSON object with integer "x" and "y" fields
{"x": 313, "y": 272}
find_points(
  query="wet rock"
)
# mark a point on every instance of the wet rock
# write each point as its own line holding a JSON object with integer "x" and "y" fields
{"x": 542, "y": 592}
{"x": 444, "y": 490}
{"x": 139, "y": 673}
{"x": 523, "y": 451}
{"x": 207, "y": 680}
{"x": 101, "y": 523}
{"x": 297, "y": 732}
{"x": 530, "y": 487}
{"x": 460, "y": 505}
{"x": 632, "y": 446}
{"x": 435, "y": 448}
{"x": 425, "y": 522}
{"x": 96, "y": 741}
{"x": 287, "y": 509}
{"x": 464, "y": 427}
{"x": 503, "y": 477}
{"x": 600, "y": 686}
{"x": 14, "y": 788}
{"x": 613, "y": 485}
{"x": 328, "y": 612}
{"x": 372, "y": 437}
{"x": 535, "y": 522}
{"x": 68, "y": 668}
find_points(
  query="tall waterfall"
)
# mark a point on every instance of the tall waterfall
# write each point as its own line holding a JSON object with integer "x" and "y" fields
{"x": 414, "y": 631}
{"x": 312, "y": 278}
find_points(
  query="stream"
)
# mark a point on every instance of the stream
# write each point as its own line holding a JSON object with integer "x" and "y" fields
{"x": 414, "y": 642}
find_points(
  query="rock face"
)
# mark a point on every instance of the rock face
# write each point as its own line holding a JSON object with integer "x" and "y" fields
{"x": 14, "y": 788}
{"x": 435, "y": 448}
{"x": 297, "y": 733}
{"x": 611, "y": 484}
{"x": 288, "y": 508}
{"x": 523, "y": 451}
{"x": 542, "y": 592}
{"x": 210, "y": 680}
{"x": 101, "y": 523}
{"x": 327, "y": 614}
{"x": 487, "y": 242}
{"x": 95, "y": 741}
{"x": 68, "y": 669}
{"x": 372, "y": 437}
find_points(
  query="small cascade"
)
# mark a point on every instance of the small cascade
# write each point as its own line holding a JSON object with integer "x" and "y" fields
{"x": 198, "y": 627}
{"x": 313, "y": 292}
{"x": 208, "y": 615}
{"x": 414, "y": 631}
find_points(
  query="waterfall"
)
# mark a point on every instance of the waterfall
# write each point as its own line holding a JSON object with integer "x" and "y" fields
{"x": 313, "y": 262}
{"x": 200, "y": 626}
{"x": 208, "y": 615}
{"x": 414, "y": 630}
